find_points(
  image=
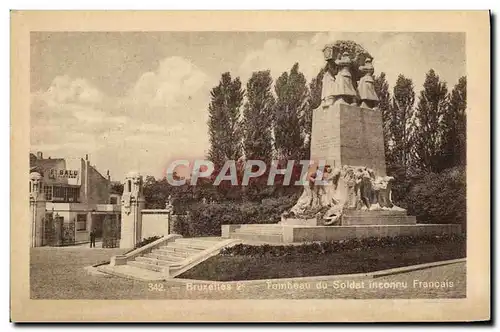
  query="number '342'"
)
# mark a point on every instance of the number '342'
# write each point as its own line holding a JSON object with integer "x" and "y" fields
{"x": 155, "y": 287}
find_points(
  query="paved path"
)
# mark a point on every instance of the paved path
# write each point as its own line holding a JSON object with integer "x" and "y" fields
{"x": 98, "y": 244}
{"x": 447, "y": 282}
{"x": 60, "y": 274}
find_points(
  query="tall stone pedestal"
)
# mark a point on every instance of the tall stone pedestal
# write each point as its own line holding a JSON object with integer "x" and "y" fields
{"x": 348, "y": 135}
{"x": 132, "y": 205}
{"x": 37, "y": 215}
{"x": 37, "y": 209}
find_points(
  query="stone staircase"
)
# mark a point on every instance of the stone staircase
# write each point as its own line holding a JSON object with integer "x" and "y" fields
{"x": 165, "y": 258}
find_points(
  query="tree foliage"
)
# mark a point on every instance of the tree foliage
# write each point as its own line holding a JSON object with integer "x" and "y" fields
{"x": 382, "y": 89}
{"x": 224, "y": 121}
{"x": 258, "y": 115}
{"x": 289, "y": 110}
{"x": 440, "y": 198}
{"x": 454, "y": 143}
{"x": 400, "y": 117}
{"x": 427, "y": 125}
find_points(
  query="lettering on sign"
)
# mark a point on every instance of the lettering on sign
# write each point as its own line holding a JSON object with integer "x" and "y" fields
{"x": 63, "y": 173}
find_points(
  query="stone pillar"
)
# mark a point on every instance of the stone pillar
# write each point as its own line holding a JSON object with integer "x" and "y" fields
{"x": 132, "y": 205}
{"x": 90, "y": 222}
{"x": 58, "y": 228}
{"x": 348, "y": 135}
{"x": 37, "y": 209}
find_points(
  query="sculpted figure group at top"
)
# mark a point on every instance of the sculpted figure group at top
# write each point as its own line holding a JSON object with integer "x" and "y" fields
{"x": 338, "y": 83}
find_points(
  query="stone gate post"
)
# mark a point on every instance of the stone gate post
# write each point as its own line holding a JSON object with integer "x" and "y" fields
{"x": 37, "y": 209}
{"x": 131, "y": 215}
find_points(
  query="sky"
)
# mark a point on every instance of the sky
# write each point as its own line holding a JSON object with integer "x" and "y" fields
{"x": 135, "y": 101}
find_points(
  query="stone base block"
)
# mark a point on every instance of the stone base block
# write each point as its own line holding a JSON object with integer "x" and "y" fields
{"x": 299, "y": 222}
{"x": 378, "y": 217}
{"x": 296, "y": 234}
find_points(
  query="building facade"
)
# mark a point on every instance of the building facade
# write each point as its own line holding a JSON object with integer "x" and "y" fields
{"x": 75, "y": 193}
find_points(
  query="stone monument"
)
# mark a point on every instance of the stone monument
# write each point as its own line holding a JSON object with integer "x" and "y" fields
{"x": 347, "y": 136}
{"x": 346, "y": 193}
{"x": 132, "y": 204}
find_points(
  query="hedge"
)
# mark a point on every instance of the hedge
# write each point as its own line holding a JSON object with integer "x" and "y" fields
{"x": 364, "y": 244}
{"x": 146, "y": 241}
{"x": 207, "y": 219}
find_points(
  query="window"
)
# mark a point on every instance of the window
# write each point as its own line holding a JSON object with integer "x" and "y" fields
{"x": 73, "y": 194}
{"x": 47, "y": 190}
{"x": 81, "y": 222}
{"x": 113, "y": 200}
{"x": 63, "y": 194}
{"x": 58, "y": 194}
{"x": 129, "y": 186}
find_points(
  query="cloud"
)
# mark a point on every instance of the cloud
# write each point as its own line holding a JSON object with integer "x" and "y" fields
{"x": 64, "y": 89}
{"x": 175, "y": 81}
{"x": 279, "y": 56}
{"x": 162, "y": 116}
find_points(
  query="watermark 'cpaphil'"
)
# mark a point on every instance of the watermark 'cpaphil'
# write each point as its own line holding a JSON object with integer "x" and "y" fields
{"x": 231, "y": 171}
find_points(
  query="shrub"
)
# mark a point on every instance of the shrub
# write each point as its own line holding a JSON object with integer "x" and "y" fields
{"x": 179, "y": 224}
{"x": 206, "y": 219}
{"x": 147, "y": 241}
{"x": 440, "y": 198}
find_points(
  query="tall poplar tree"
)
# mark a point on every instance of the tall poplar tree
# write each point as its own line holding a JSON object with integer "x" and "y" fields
{"x": 291, "y": 104}
{"x": 400, "y": 114}
{"x": 258, "y": 115}
{"x": 427, "y": 125}
{"x": 224, "y": 128}
{"x": 382, "y": 90}
{"x": 454, "y": 144}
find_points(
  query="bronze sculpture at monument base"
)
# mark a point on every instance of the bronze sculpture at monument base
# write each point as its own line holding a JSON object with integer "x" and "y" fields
{"x": 343, "y": 192}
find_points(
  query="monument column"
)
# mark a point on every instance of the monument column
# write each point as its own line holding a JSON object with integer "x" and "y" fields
{"x": 132, "y": 205}
{"x": 37, "y": 209}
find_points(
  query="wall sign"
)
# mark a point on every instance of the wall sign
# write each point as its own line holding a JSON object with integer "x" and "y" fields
{"x": 63, "y": 173}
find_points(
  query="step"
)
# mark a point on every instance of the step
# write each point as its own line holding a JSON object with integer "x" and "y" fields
{"x": 180, "y": 248}
{"x": 195, "y": 244}
{"x": 197, "y": 240}
{"x": 259, "y": 231}
{"x": 165, "y": 258}
{"x": 146, "y": 266}
{"x": 168, "y": 257}
{"x": 205, "y": 238}
{"x": 154, "y": 261}
{"x": 277, "y": 226}
{"x": 176, "y": 253}
{"x": 164, "y": 252}
{"x": 274, "y": 238}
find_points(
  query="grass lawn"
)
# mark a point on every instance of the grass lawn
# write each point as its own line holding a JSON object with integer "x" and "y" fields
{"x": 359, "y": 260}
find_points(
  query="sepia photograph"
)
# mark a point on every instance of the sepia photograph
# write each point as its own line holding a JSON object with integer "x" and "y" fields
{"x": 290, "y": 164}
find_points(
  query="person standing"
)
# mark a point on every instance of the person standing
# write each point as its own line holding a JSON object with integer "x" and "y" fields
{"x": 92, "y": 238}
